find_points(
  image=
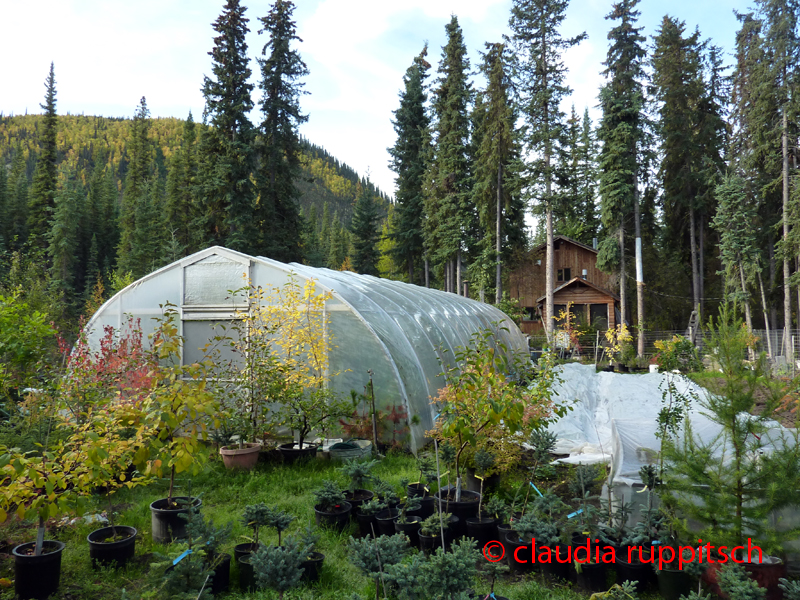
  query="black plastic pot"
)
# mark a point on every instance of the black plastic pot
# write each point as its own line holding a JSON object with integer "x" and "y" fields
{"x": 222, "y": 575}
{"x": 482, "y": 530}
{"x": 410, "y": 529}
{"x": 672, "y": 584}
{"x": 291, "y": 453}
{"x": 416, "y": 490}
{"x": 167, "y": 525}
{"x": 312, "y": 566}
{"x": 473, "y": 484}
{"x": 357, "y": 498}
{"x": 118, "y": 553}
{"x": 463, "y": 509}
{"x": 247, "y": 578}
{"x": 427, "y": 506}
{"x": 367, "y": 525}
{"x": 518, "y": 553}
{"x": 37, "y": 577}
{"x": 385, "y": 521}
{"x": 429, "y": 543}
{"x": 592, "y": 577}
{"x": 337, "y": 520}
{"x": 240, "y": 550}
{"x": 641, "y": 573}
{"x": 555, "y": 569}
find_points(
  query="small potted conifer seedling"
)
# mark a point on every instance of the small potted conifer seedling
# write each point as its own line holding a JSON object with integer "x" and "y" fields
{"x": 279, "y": 568}
{"x": 482, "y": 528}
{"x": 312, "y": 563}
{"x": 385, "y": 518}
{"x": 407, "y": 523}
{"x": 331, "y": 509}
{"x": 365, "y": 516}
{"x": 359, "y": 473}
{"x": 279, "y": 521}
{"x": 431, "y": 530}
{"x": 255, "y": 517}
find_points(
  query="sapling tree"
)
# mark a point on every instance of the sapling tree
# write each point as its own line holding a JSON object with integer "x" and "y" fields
{"x": 409, "y": 578}
{"x": 733, "y": 481}
{"x": 533, "y": 526}
{"x": 279, "y": 521}
{"x": 279, "y": 568}
{"x": 580, "y": 486}
{"x": 736, "y": 584}
{"x": 255, "y": 517}
{"x": 408, "y": 503}
{"x": 543, "y": 444}
{"x": 497, "y": 508}
{"x": 483, "y": 398}
{"x": 494, "y": 570}
{"x": 386, "y": 492}
{"x": 372, "y": 507}
{"x": 372, "y": 555}
{"x": 427, "y": 472}
{"x": 358, "y": 472}
{"x": 484, "y": 461}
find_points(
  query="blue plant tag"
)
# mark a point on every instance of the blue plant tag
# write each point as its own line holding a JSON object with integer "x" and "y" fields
{"x": 655, "y": 543}
{"x": 181, "y": 557}
{"x": 575, "y": 514}
{"x": 537, "y": 489}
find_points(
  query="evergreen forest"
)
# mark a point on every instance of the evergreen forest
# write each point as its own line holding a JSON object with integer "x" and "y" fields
{"x": 688, "y": 182}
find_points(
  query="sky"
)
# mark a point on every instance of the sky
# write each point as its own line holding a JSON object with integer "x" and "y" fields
{"x": 110, "y": 53}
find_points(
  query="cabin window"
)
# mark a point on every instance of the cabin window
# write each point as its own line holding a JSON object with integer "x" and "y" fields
{"x": 563, "y": 275}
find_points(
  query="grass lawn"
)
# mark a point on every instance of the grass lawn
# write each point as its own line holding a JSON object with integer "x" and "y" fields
{"x": 224, "y": 495}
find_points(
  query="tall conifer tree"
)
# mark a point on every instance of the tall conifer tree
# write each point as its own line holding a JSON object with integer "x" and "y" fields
{"x": 278, "y": 213}
{"x": 43, "y": 189}
{"x": 449, "y": 171}
{"x": 540, "y": 48}
{"x": 226, "y": 190}
{"x": 365, "y": 229}
{"x": 496, "y": 193}
{"x": 409, "y": 154}
{"x": 621, "y": 132}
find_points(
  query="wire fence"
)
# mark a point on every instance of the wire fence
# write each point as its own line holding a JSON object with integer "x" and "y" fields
{"x": 771, "y": 342}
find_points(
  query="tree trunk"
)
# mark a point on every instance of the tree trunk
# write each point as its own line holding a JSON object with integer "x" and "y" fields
{"x": 701, "y": 253}
{"x": 427, "y": 273}
{"x": 498, "y": 282}
{"x": 693, "y": 251}
{"x": 548, "y": 270}
{"x": 639, "y": 269}
{"x": 787, "y": 292}
{"x": 748, "y": 318}
{"x": 773, "y": 312}
{"x": 459, "y": 287}
{"x": 623, "y": 296}
{"x": 764, "y": 308}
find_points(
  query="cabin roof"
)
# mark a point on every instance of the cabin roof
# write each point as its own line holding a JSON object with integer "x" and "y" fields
{"x": 586, "y": 282}
{"x": 569, "y": 240}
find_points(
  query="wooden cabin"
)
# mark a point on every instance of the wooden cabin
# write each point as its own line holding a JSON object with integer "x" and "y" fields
{"x": 578, "y": 283}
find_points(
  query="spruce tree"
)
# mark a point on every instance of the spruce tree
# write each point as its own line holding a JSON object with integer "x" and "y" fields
{"x": 365, "y": 233}
{"x": 621, "y": 131}
{"x": 43, "y": 189}
{"x": 587, "y": 174}
{"x": 448, "y": 178}
{"x": 180, "y": 207}
{"x": 64, "y": 235}
{"x": 140, "y": 169}
{"x": 409, "y": 153}
{"x": 226, "y": 191}
{"x": 18, "y": 201}
{"x": 279, "y": 142}
{"x": 5, "y": 208}
{"x": 539, "y": 49}
{"x": 574, "y": 209}
{"x": 496, "y": 192}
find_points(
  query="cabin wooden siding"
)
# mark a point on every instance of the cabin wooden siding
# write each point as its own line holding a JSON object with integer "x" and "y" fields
{"x": 527, "y": 282}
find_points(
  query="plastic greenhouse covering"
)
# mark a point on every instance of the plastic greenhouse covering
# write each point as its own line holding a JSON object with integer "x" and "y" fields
{"x": 403, "y": 333}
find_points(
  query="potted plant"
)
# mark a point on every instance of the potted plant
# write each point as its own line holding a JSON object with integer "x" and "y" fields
{"x": 241, "y": 455}
{"x": 497, "y": 508}
{"x": 734, "y": 482}
{"x": 171, "y": 422}
{"x": 450, "y": 575}
{"x": 436, "y": 531}
{"x": 493, "y": 570}
{"x": 367, "y": 523}
{"x": 407, "y": 523}
{"x": 255, "y": 516}
{"x": 202, "y": 533}
{"x": 525, "y": 530}
{"x": 591, "y": 574}
{"x": 372, "y": 556}
{"x": 331, "y": 509}
{"x": 484, "y": 399}
{"x": 279, "y": 568}
{"x": 483, "y": 527}
{"x": 312, "y": 564}
{"x": 358, "y": 472}
{"x": 551, "y": 511}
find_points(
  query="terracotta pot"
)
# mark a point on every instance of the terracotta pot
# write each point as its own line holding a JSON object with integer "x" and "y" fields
{"x": 765, "y": 573}
{"x": 240, "y": 458}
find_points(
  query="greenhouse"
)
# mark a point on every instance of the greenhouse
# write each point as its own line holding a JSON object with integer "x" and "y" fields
{"x": 404, "y": 334}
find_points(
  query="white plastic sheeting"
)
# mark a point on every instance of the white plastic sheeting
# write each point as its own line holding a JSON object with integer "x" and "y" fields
{"x": 613, "y": 418}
